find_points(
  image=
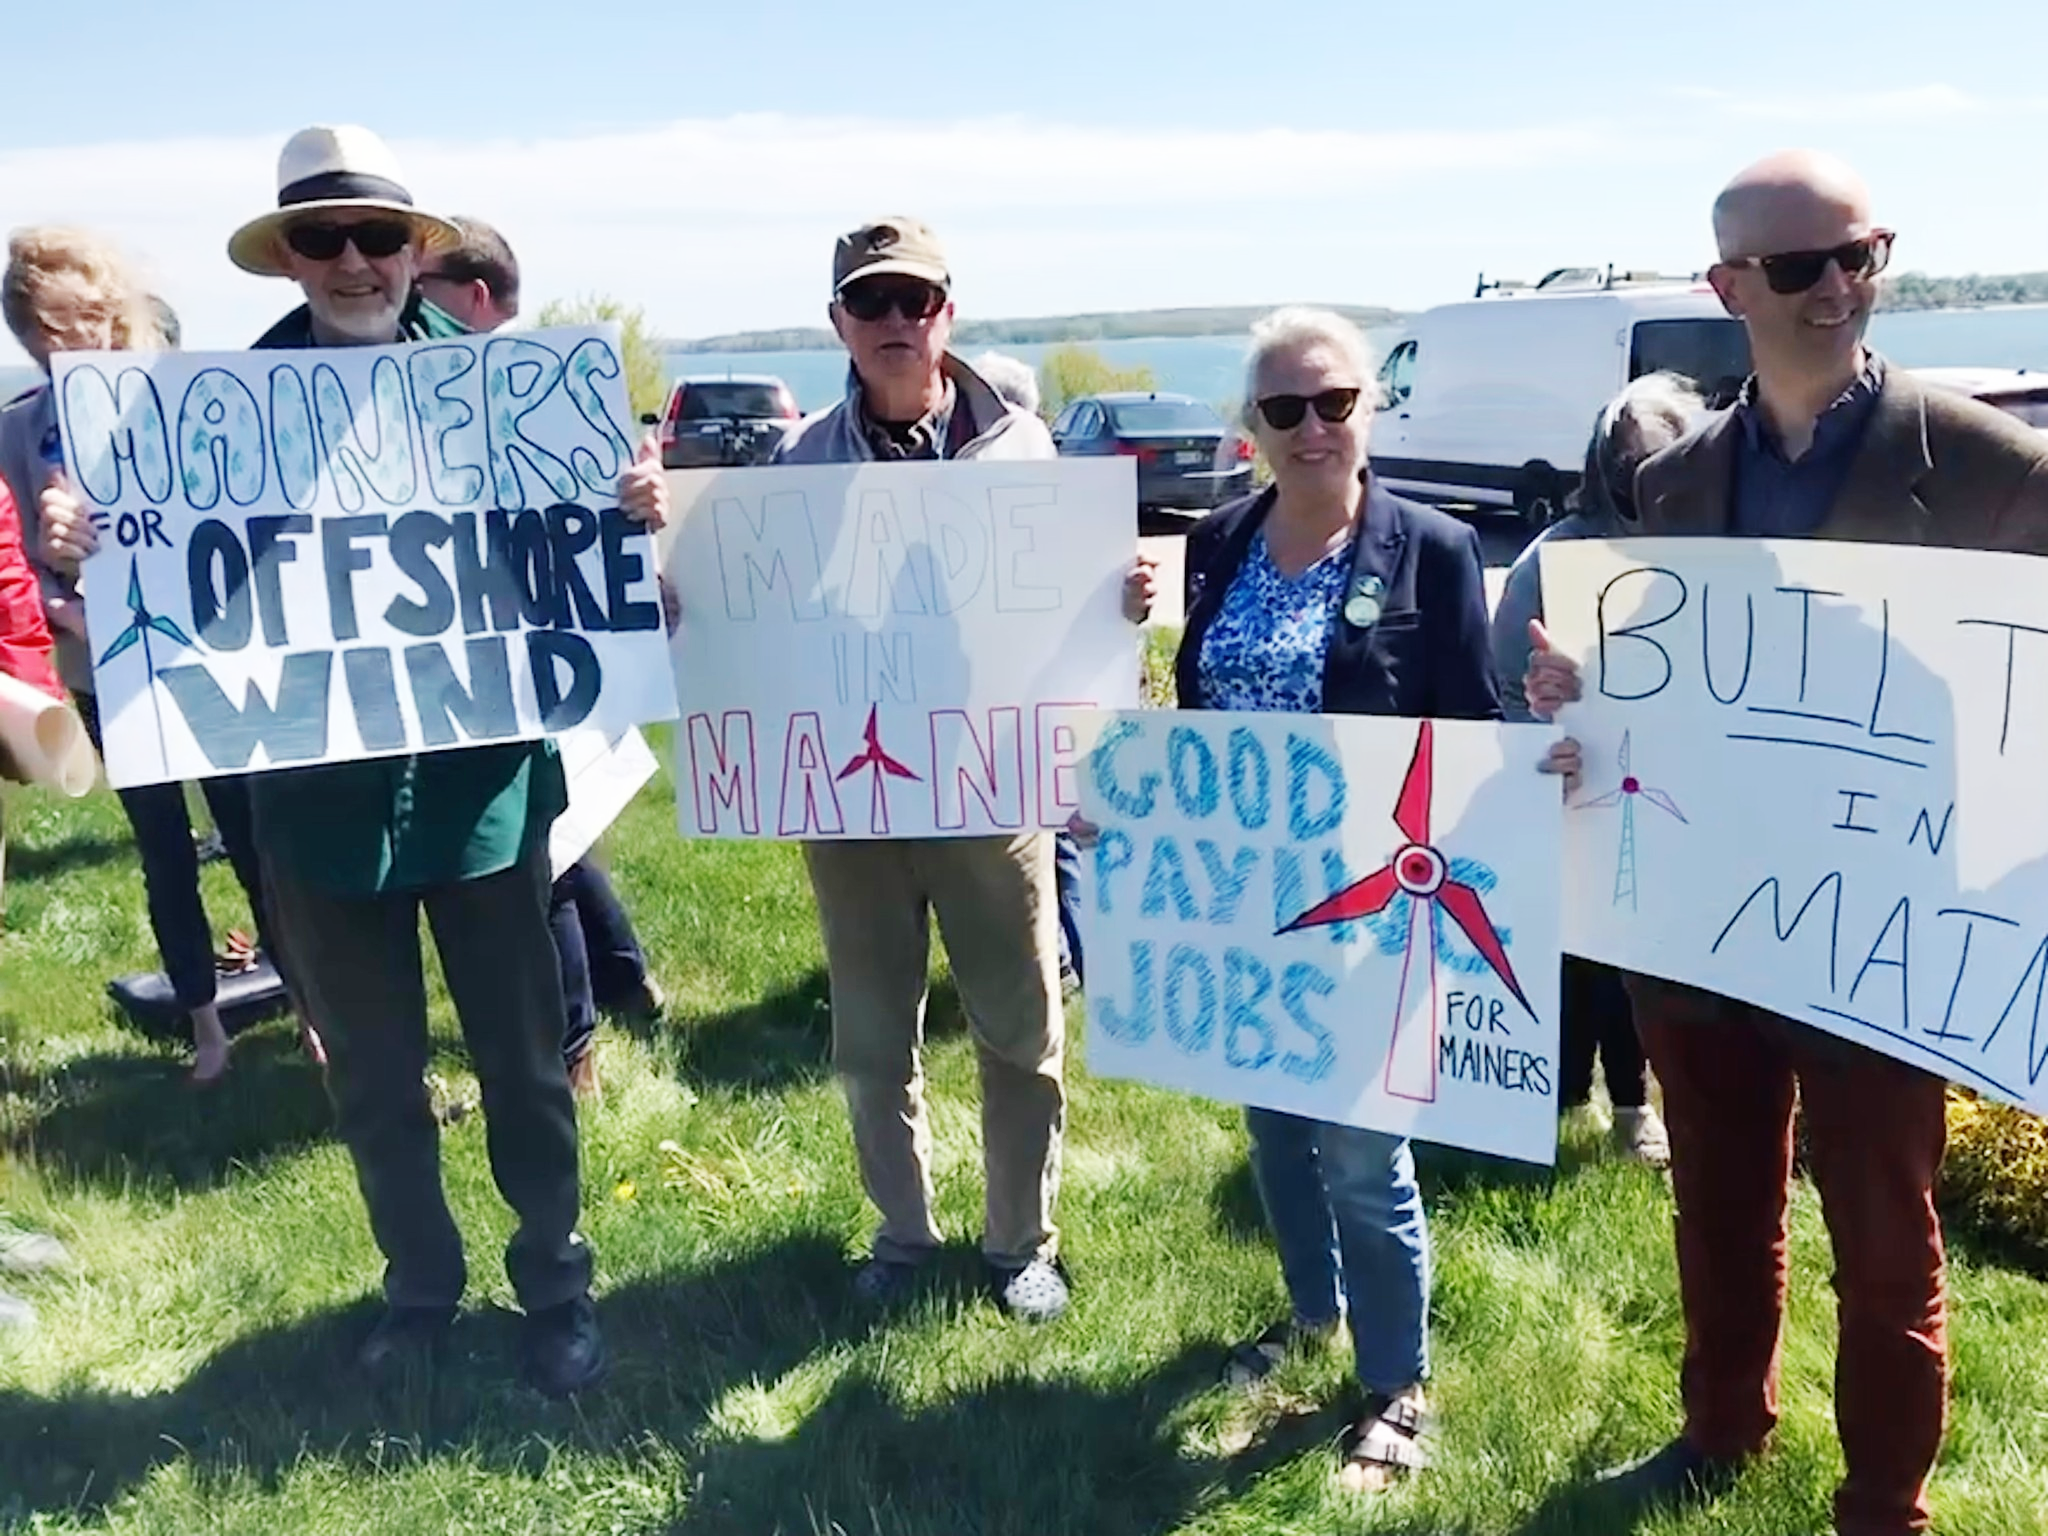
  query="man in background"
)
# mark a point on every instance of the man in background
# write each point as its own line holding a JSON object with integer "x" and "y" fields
{"x": 599, "y": 954}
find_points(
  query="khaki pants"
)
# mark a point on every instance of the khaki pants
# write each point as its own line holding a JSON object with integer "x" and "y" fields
{"x": 997, "y": 912}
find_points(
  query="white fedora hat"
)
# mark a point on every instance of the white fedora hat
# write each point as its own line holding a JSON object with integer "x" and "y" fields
{"x": 341, "y": 167}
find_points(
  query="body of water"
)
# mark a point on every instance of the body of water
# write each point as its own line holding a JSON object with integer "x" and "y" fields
{"x": 1211, "y": 368}
{"x": 1208, "y": 367}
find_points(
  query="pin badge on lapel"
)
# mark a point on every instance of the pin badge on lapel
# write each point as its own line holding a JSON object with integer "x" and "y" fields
{"x": 1362, "y": 607}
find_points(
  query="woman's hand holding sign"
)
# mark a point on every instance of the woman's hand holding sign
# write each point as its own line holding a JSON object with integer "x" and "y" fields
{"x": 1550, "y": 683}
{"x": 68, "y": 533}
{"x": 1141, "y": 586}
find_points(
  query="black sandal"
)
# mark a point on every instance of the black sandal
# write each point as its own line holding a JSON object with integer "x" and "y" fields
{"x": 1253, "y": 1361}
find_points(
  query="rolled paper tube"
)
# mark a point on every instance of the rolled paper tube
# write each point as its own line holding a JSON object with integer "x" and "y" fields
{"x": 44, "y": 738}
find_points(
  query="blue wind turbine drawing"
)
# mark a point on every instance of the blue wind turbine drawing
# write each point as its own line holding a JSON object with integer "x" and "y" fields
{"x": 1625, "y": 794}
{"x": 140, "y": 623}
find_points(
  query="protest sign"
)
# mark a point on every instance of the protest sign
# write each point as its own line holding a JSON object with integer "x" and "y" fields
{"x": 1813, "y": 783}
{"x": 882, "y": 650}
{"x": 1347, "y": 918}
{"x": 603, "y": 776}
{"x": 356, "y": 552}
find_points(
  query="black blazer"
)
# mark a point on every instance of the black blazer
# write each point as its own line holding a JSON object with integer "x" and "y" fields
{"x": 1430, "y": 653}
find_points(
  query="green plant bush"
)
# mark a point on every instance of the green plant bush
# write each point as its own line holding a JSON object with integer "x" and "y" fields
{"x": 1995, "y": 1180}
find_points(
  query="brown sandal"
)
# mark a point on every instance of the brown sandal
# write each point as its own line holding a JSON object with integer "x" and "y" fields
{"x": 1389, "y": 1441}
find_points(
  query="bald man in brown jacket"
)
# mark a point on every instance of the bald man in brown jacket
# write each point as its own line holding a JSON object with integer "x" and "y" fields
{"x": 1826, "y": 442}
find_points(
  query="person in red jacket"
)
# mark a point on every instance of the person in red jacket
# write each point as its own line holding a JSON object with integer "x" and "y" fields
{"x": 24, "y": 636}
{"x": 25, "y": 647}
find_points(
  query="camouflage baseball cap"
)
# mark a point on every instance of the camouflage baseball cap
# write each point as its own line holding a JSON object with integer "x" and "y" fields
{"x": 895, "y": 244}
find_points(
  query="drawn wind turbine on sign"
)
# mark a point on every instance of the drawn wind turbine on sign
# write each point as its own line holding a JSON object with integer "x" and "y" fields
{"x": 1422, "y": 873}
{"x": 140, "y": 622}
{"x": 1625, "y": 794}
{"x": 872, "y": 755}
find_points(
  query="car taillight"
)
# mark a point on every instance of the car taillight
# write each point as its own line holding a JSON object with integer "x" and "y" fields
{"x": 669, "y": 419}
{"x": 1136, "y": 451}
{"x": 1245, "y": 451}
{"x": 789, "y": 410}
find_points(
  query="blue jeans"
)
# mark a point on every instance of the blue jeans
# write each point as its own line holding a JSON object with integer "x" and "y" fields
{"x": 596, "y": 951}
{"x": 1066, "y": 855}
{"x": 1346, "y": 1215}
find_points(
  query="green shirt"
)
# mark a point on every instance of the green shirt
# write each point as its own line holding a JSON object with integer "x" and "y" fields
{"x": 402, "y": 823}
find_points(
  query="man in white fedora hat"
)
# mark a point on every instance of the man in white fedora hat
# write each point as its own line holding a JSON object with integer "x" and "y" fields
{"x": 345, "y": 229}
{"x": 359, "y": 848}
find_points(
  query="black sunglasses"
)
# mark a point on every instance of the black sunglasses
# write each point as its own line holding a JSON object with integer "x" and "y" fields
{"x": 375, "y": 238}
{"x": 1797, "y": 271}
{"x": 1284, "y": 413}
{"x": 911, "y": 297}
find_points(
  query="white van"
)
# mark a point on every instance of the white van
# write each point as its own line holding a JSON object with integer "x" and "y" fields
{"x": 1491, "y": 401}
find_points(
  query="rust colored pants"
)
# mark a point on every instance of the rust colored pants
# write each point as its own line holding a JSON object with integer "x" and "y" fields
{"x": 1876, "y": 1131}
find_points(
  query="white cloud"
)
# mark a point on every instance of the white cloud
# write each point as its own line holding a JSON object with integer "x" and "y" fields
{"x": 722, "y": 224}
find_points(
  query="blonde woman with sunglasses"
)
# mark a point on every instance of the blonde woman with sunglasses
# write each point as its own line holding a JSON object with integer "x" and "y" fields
{"x": 1323, "y": 594}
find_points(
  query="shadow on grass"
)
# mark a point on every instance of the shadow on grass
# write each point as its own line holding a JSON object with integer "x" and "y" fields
{"x": 784, "y": 1039}
{"x": 1017, "y": 1457}
{"x": 1988, "y": 1249}
{"x": 118, "y": 1119}
{"x": 1020, "y": 1455}
{"x": 47, "y": 861}
{"x": 261, "y": 1405}
{"x": 1234, "y": 1202}
{"x": 1447, "y": 1170}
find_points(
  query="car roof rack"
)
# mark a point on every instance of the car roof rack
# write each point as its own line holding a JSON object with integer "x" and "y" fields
{"x": 1595, "y": 279}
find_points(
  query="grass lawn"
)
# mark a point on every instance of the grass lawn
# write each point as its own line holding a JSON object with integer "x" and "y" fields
{"x": 193, "y": 1374}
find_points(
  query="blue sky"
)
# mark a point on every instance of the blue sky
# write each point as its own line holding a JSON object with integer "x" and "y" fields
{"x": 698, "y": 159}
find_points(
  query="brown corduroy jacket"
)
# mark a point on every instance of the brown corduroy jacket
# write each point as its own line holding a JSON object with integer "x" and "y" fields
{"x": 1935, "y": 467}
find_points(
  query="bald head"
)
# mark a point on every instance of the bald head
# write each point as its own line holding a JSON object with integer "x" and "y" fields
{"x": 1795, "y": 200}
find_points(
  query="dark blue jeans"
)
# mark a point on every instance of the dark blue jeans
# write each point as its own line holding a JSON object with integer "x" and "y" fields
{"x": 598, "y": 953}
{"x": 170, "y": 868}
{"x": 1066, "y": 869}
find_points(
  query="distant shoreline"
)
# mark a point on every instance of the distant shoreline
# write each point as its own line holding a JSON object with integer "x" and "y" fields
{"x": 1046, "y": 330}
{"x": 1912, "y": 293}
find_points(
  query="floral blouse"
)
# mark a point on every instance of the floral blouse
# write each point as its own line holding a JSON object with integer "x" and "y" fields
{"x": 1266, "y": 646}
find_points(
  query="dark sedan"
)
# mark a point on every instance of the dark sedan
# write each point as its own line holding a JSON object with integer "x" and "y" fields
{"x": 715, "y": 422}
{"x": 1189, "y": 462}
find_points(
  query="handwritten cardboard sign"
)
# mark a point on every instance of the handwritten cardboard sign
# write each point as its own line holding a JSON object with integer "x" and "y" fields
{"x": 1814, "y": 783}
{"x": 356, "y": 552}
{"x": 884, "y": 650}
{"x": 1346, "y": 918}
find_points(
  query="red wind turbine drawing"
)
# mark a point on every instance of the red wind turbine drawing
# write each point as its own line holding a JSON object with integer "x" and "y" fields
{"x": 872, "y": 755}
{"x": 1422, "y": 873}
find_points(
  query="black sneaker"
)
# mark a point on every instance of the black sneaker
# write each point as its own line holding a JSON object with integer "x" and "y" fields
{"x": 564, "y": 1351}
{"x": 1676, "y": 1476}
{"x": 886, "y": 1282}
{"x": 404, "y": 1340}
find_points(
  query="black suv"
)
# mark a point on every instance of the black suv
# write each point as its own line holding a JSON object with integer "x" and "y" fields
{"x": 1189, "y": 462}
{"x": 715, "y": 422}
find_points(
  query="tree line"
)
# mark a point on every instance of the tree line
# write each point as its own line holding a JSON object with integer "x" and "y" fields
{"x": 1917, "y": 290}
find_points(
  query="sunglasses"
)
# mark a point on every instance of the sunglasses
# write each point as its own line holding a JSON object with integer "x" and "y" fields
{"x": 375, "y": 238}
{"x": 1284, "y": 413}
{"x": 873, "y": 297}
{"x": 1797, "y": 271}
